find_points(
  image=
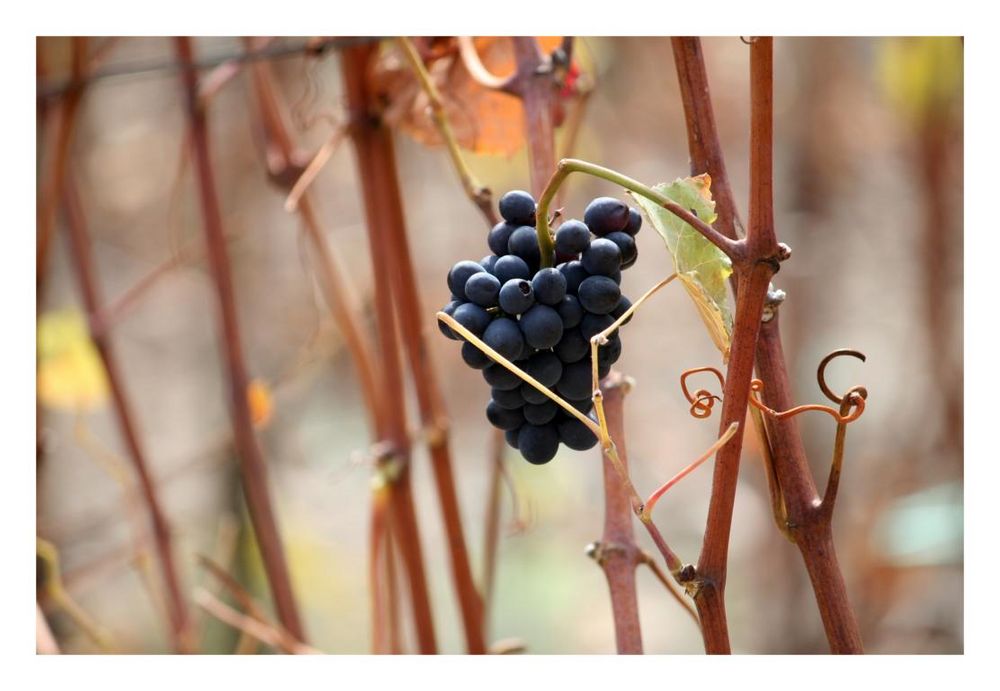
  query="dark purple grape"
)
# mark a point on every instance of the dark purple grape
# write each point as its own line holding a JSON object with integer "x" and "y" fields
{"x": 598, "y": 294}
{"x": 538, "y": 443}
{"x": 606, "y": 215}
{"x": 603, "y": 369}
{"x": 510, "y": 267}
{"x": 510, "y": 400}
{"x": 584, "y": 405}
{"x": 510, "y": 436}
{"x": 570, "y": 311}
{"x": 624, "y": 304}
{"x": 504, "y": 336}
{"x": 545, "y": 367}
{"x": 516, "y": 296}
{"x": 483, "y": 289}
{"x": 459, "y": 274}
{"x": 488, "y": 262}
{"x": 626, "y": 245}
{"x": 449, "y": 309}
{"x": 549, "y": 286}
{"x": 575, "y": 274}
{"x": 572, "y": 347}
{"x": 602, "y": 258}
{"x": 634, "y": 222}
{"x": 518, "y": 207}
{"x": 609, "y": 353}
{"x": 504, "y": 418}
{"x": 473, "y": 317}
{"x": 572, "y": 238}
{"x": 542, "y": 327}
{"x": 593, "y": 324}
{"x": 532, "y": 395}
{"x": 540, "y": 413}
{"x": 499, "y": 236}
{"x": 524, "y": 244}
{"x": 576, "y": 381}
{"x": 474, "y": 357}
{"x": 576, "y": 435}
{"x": 499, "y": 377}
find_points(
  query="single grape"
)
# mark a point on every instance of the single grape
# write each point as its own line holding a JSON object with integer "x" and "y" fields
{"x": 483, "y": 289}
{"x": 516, "y": 296}
{"x": 602, "y": 257}
{"x": 488, "y": 262}
{"x": 510, "y": 436}
{"x": 609, "y": 353}
{"x": 524, "y": 244}
{"x": 634, "y": 222}
{"x": 499, "y": 377}
{"x": 603, "y": 369}
{"x": 540, "y": 413}
{"x": 518, "y": 207}
{"x": 499, "y": 236}
{"x": 575, "y": 274}
{"x": 545, "y": 367}
{"x": 504, "y": 418}
{"x": 449, "y": 309}
{"x": 504, "y": 336}
{"x": 572, "y": 237}
{"x": 549, "y": 286}
{"x": 510, "y": 267}
{"x": 542, "y": 327}
{"x": 593, "y": 324}
{"x": 570, "y": 311}
{"x": 538, "y": 443}
{"x": 508, "y": 399}
{"x": 474, "y": 357}
{"x": 459, "y": 274}
{"x": 473, "y": 317}
{"x": 624, "y": 304}
{"x": 606, "y": 215}
{"x": 598, "y": 294}
{"x": 626, "y": 245}
{"x": 576, "y": 435}
{"x": 532, "y": 395}
{"x": 572, "y": 347}
{"x": 576, "y": 381}
{"x": 584, "y": 405}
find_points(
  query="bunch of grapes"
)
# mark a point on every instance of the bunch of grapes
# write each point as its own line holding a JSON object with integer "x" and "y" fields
{"x": 542, "y": 319}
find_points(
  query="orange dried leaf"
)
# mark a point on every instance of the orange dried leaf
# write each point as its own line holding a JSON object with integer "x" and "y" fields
{"x": 260, "y": 402}
{"x": 71, "y": 375}
{"x": 484, "y": 121}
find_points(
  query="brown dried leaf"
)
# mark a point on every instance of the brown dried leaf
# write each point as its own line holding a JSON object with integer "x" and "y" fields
{"x": 484, "y": 121}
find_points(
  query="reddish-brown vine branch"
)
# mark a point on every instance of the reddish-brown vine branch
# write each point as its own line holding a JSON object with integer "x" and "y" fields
{"x": 51, "y": 189}
{"x": 364, "y": 133}
{"x": 791, "y": 474}
{"x": 177, "y": 609}
{"x": 758, "y": 263}
{"x": 429, "y": 399}
{"x": 617, "y": 552}
{"x": 252, "y": 467}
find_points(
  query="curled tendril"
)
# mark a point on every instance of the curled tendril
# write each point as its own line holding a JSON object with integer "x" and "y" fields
{"x": 858, "y": 402}
{"x": 821, "y": 376}
{"x": 852, "y": 403}
{"x": 702, "y": 401}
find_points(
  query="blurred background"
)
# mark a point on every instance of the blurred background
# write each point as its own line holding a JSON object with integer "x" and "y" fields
{"x": 868, "y": 193}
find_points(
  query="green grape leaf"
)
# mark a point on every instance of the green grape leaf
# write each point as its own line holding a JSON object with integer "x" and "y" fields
{"x": 701, "y": 266}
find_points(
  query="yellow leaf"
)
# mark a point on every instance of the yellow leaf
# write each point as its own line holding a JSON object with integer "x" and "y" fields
{"x": 921, "y": 74}
{"x": 71, "y": 375}
{"x": 702, "y": 268}
{"x": 260, "y": 401}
